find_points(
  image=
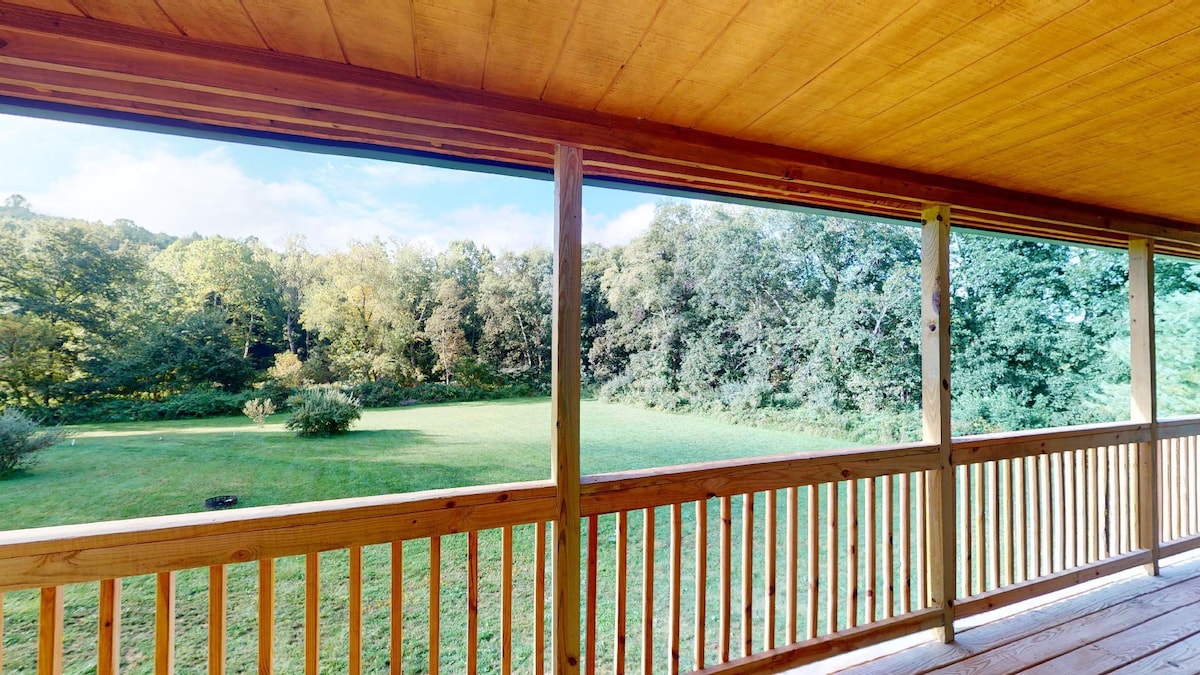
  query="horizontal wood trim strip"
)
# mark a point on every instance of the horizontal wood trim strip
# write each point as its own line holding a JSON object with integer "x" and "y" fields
{"x": 1009, "y": 445}
{"x": 1178, "y": 427}
{"x": 56, "y": 540}
{"x": 175, "y": 70}
{"x": 1002, "y": 597}
{"x": 809, "y": 651}
{"x": 1179, "y": 546}
{"x": 629, "y": 490}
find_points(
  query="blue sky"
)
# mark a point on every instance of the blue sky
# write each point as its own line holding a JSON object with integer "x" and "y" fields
{"x": 183, "y": 185}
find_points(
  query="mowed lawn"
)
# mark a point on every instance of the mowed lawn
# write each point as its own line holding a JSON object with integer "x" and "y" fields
{"x": 129, "y": 470}
{"x": 140, "y": 469}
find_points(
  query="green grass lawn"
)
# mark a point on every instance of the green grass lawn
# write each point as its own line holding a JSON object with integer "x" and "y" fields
{"x": 139, "y": 469}
{"x": 129, "y": 470}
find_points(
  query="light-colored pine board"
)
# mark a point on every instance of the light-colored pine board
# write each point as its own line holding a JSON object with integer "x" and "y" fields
{"x": 506, "y": 597}
{"x": 108, "y": 652}
{"x": 977, "y": 558}
{"x": 301, "y": 27}
{"x": 1072, "y": 521}
{"x": 139, "y": 14}
{"x": 676, "y": 583}
{"x": 701, "y": 592}
{"x": 524, "y": 43}
{"x": 1013, "y": 529}
{"x": 593, "y": 547}
{"x": 435, "y": 604}
{"x": 853, "y": 570}
{"x": 564, "y": 394}
{"x": 312, "y": 614}
{"x": 539, "y": 592}
{"x": 921, "y": 548}
{"x": 1126, "y": 646}
{"x": 792, "y": 564}
{"x": 356, "y": 611}
{"x": 812, "y": 499}
{"x": 266, "y": 617}
{"x": 1, "y": 632}
{"x": 472, "y": 602}
{"x": 1094, "y": 501}
{"x": 648, "y": 545}
{"x": 980, "y": 640}
{"x": 223, "y": 21}
{"x": 376, "y": 34}
{"x": 218, "y": 598}
{"x": 164, "y": 623}
{"x": 1144, "y": 391}
{"x": 1181, "y": 657}
{"x": 993, "y": 522}
{"x": 832, "y": 564}
{"x": 452, "y": 40}
{"x": 1123, "y": 505}
{"x": 726, "y": 581}
{"x": 906, "y": 552}
{"x": 50, "y": 631}
{"x": 396, "y": 615}
{"x": 889, "y": 547}
{"x": 621, "y": 572}
{"x": 870, "y": 558}
{"x": 747, "y": 574}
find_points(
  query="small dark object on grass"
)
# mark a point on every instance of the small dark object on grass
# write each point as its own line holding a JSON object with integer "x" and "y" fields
{"x": 221, "y": 502}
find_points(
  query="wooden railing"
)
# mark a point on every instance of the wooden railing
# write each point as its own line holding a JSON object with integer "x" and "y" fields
{"x": 737, "y": 566}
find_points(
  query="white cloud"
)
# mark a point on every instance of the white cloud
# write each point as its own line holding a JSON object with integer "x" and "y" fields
{"x": 621, "y": 229}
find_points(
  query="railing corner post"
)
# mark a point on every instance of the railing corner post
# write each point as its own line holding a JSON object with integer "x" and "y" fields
{"x": 1143, "y": 395}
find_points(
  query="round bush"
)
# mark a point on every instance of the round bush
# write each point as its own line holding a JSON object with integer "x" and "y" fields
{"x": 20, "y": 439}
{"x": 322, "y": 411}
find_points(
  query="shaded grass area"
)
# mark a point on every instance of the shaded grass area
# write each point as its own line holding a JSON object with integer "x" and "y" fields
{"x": 137, "y": 469}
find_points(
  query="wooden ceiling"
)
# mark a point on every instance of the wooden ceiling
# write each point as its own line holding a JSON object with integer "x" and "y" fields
{"x": 1075, "y": 118}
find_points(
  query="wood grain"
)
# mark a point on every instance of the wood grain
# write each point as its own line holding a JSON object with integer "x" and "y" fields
{"x": 50, "y": 631}
{"x": 108, "y": 653}
{"x": 1144, "y": 401}
{"x": 218, "y": 598}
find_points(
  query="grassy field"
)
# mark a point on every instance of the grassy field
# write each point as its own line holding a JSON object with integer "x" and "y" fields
{"x": 138, "y": 469}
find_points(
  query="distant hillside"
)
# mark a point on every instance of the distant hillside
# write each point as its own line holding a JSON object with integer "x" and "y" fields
{"x": 17, "y": 216}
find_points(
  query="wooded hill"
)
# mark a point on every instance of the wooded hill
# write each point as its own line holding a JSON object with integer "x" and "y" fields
{"x": 759, "y": 315}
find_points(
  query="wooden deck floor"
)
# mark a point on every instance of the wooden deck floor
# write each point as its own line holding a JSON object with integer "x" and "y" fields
{"x": 1139, "y": 625}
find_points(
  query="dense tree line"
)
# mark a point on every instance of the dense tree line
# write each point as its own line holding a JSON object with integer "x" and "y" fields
{"x": 772, "y": 316}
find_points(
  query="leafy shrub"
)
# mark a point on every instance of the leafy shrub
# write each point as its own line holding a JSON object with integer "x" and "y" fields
{"x": 322, "y": 411}
{"x": 20, "y": 440}
{"x": 259, "y": 409}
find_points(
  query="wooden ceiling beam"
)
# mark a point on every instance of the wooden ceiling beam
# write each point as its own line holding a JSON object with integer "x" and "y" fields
{"x": 54, "y": 57}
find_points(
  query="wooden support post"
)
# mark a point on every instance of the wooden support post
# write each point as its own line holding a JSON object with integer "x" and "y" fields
{"x": 1143, "y": 400}
{"x": 935, "y": 408}
{"x": 568, "y": 220}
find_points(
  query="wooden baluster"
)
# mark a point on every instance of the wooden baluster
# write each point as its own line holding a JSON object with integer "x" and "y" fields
{"x": 1014, "y": 528}
{"x": 793, "y": 564}
{"x": 164, "y": 623}
{"x": 723, "y": 638}
{"x": 621, "y": 574}
{"x": 906, "y": 516}
{"x": 435, "y": 604}
{"x": 1033, "y": 516}
{"x": 473, "y": 602}
{"x": 993, "y": 521}
{"x": 1124, "y": 511}
{"x": 747, "y": 573}
{"x": 1080, "y": 499}
{"x": 1004, "y": 515}
{"x": 356, "y": 610}
{"x": 506, "y": 596}
{"x": 701, "y": 581}
{"x": 1057, "y": 536}
{"x": 978, "y": 555}
{"x": 266, "y": 616}
{"x": 312, "y": 613}
{"x": 814, "y": 562}
{"x": 921, "y": 518}
{"x": 1193, "y": 499}
{"x": 1112, "y": 514}
{"x": 965, "y": 524}
{"x": 869, "y": 564}
{"x": 1173, "y": 491}
{"x": 396, "y": 642}
{"x": 593, "y": 547}
{"x": 1, "y": 633}
{"x": 831, "y": 557}
{"x": 769, "y": 553}
{"x": 1093, "y": 496}
{"x": 109, "y": 644}
{"x": 852, "y": 570}
{"x": 889, "y": 553}
{"x": 676, "y": 581}
{"x": 648, "y": 591}
{"x": 50, "y": 631}
{"x": 218, "y": 600}
{"x": 539, "y": 582}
